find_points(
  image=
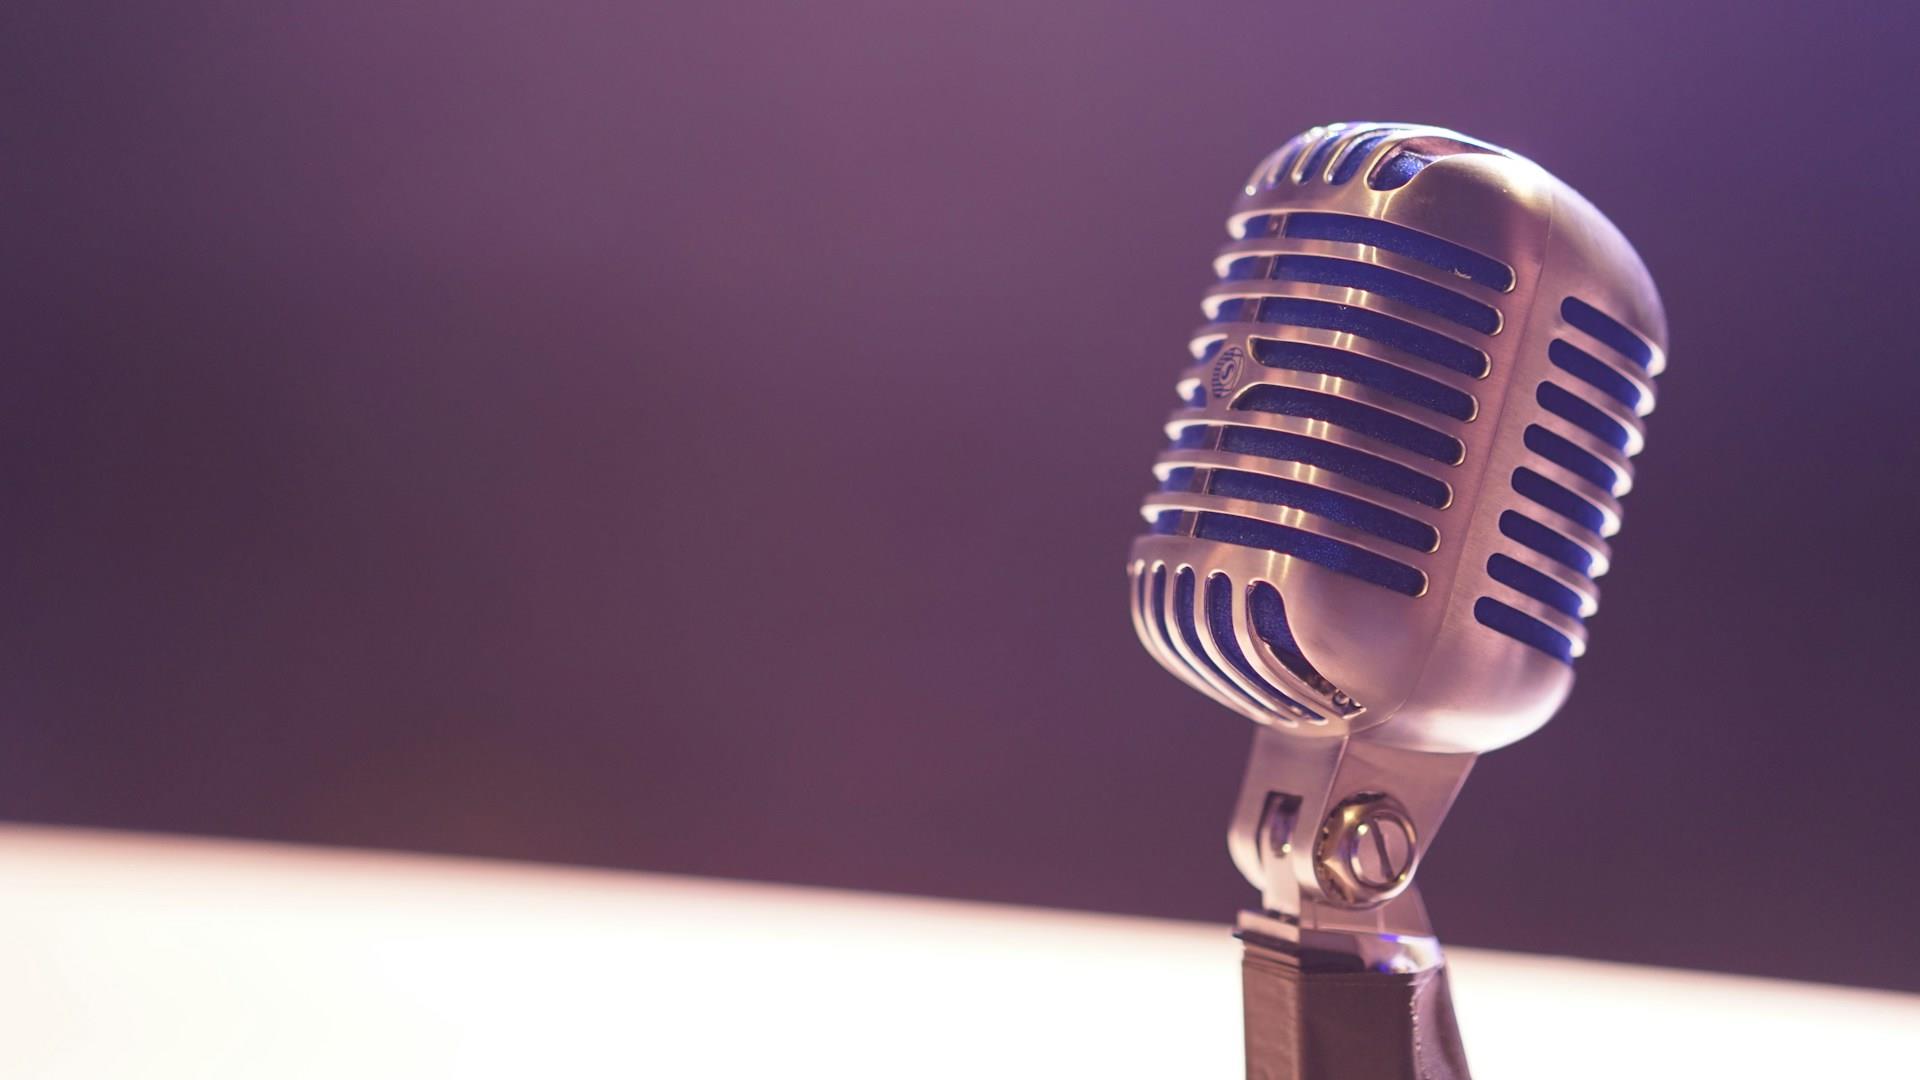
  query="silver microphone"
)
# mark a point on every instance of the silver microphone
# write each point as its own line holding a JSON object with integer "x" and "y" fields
{"x": 1399, "y": 456}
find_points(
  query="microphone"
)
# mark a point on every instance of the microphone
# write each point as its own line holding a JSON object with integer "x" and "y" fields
{"x": 1397, "y": 462}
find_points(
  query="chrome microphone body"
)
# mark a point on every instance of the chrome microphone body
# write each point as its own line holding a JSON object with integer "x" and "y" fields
{"x": 1401, "y": 446}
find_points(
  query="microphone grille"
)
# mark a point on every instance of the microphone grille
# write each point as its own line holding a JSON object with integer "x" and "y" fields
{"x": 1333, "y": 417}
{"x": 1597, "y": 387}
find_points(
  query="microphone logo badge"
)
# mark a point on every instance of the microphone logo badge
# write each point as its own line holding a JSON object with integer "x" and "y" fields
{"x": 1225, "y": 373}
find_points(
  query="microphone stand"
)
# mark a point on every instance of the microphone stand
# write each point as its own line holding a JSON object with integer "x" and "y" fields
{"x": 1321, "y": 1016}
{"x": 1341, "y": 976}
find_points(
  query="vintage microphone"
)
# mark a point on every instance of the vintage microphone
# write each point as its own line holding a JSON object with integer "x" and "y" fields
{"x": 1378, "y": 527}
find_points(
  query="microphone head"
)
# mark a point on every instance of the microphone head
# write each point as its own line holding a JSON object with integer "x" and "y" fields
{"x": 1401, "y": 445}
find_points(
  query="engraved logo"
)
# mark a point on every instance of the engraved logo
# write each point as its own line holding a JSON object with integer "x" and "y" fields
{"x": 1226, "y": 370}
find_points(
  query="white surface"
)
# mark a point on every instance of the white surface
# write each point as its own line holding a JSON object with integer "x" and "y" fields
{"x": 130, "y": 956}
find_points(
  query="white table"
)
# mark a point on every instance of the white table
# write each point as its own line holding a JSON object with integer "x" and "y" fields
{"x": 135, "y": 956}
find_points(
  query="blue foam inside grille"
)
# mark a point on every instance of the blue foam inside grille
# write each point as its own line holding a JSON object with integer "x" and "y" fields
{"x": 1527, "y": 531}
{"x": 1604, "y": 328}
{"x": 1220, "y": 622}
{"x": 1166, "y": 523}
{"x": 1159, "y": 604}
{"x": 1356, "y": 157}
{"x": 1260, "y": 225}
{"x": 1417, "y": 340}
{"x": 1389, "y": 283}
{"x": 1269, "y": 618}
{"x": 1247, "y": 269}
{"x": 1178, "y": 480}
{"x": 1365, "y": 370}
{"x": 1319, "y": 550}
{"x": 1239, "y": 309}
{"x": 1192, "y": 437}
{"x": 1558, "y": 499}
{"x": 1397, "y": 170}
{"x": 1190, "y": 629}
{"x": 1571, "y": 408}
{"x": 1571, "y": 458}
{"x": 1318, "y": 162}
{"x": 1523, "y": 628}
{"x": 1385, "y": 235}
{"x": 1528, "y": 581}
{"x": 1593, "y": 372}
{"x": 1332, "y": 505}
{"x": 1364, "y": 467}
{"x": 1196, "y": 396}
{"x": 1160, "y": 617}
{"x": 1365, "y": 419}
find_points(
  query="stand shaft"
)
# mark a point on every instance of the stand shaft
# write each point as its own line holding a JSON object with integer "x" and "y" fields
{"x": 1308, "y": 1024}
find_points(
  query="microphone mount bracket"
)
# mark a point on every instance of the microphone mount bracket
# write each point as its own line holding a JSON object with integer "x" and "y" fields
{"x": 1331, "y": 830}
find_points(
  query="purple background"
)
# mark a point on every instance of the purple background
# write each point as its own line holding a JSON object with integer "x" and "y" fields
{"x": 707, "y": 440}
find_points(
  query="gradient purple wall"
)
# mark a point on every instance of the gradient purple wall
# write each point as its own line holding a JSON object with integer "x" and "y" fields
{"x": 708, "y": 439}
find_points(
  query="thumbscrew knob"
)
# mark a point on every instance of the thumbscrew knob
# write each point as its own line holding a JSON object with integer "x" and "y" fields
{"x": 1366, "y": 850}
